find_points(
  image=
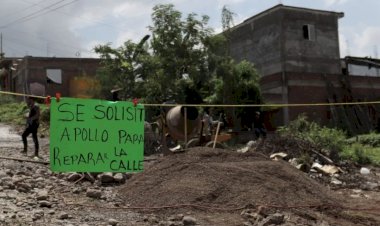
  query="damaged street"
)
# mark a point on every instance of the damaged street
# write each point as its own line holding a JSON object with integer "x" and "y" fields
{"x": 201, "y": 186}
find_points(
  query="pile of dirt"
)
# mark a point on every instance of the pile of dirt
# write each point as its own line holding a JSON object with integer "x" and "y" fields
{"x": 222, "y": 178}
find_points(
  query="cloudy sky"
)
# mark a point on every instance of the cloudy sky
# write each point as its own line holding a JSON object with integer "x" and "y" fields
{"x": 71, "y": 28}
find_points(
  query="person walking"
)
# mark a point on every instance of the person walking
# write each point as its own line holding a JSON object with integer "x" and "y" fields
{"x": 32, "y": 124}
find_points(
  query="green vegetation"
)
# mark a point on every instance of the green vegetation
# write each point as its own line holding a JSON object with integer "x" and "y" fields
{"x": 181, "y": 61}
{"x": 363, "y": 149}
{"x": 13, "y": 112}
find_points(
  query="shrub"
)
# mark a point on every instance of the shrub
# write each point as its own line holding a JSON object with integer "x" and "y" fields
{"x": 372, "y": 139}
{"x": 323, "y": 137}
{"x": 357, "y": 153}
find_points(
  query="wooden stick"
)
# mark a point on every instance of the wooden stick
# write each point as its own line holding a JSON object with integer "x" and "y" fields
{"x": 185, "y": 125}
{"x": 24, "y": 160}
{"x": 217, "y": 131}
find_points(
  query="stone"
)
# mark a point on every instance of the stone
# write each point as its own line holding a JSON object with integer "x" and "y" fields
{"x": 51, "y": 212}
{"x": 37, "y": 215}
{"x": 187, "y": 220}
{"x": 251, "y": 144}
{"x": 73, "y": 177}
{"x": 113, "y": 222}
{"x": 93, "y": 193}
{"x": 303, "y": 167}
{"x": 364, "y": 171}
{"x": 23, "y": 187}
{"x": 316, "y": 166}
{"x": 42, "y": 195}
{"x": 106, "y": 177}
{"x": 330, "y": 169}
{"x": 278, "y": 156}
{"x": 119, "y": 177}
{"x": 63, "y": 216}
{"x": 243, "y": 150}
{"x": 336, "y": 181}
{"x": 44, "y": 203}
{"x": 293, "y": 162}
{"x": 89, "y": 177}
{"x": 370, "y": 186}
{"x": 275, "y": 219}
{"x": 3, "y": 174}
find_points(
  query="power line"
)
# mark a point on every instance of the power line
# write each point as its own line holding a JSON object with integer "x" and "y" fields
{"x": 31, "y": 5}
{"x": 39, "y": 13}
{"x": 17, "y": 41}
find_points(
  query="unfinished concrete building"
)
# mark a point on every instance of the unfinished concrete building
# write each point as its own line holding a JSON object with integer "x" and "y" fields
{"x": 42, "y": 76}
{"x": 296, "y": 51}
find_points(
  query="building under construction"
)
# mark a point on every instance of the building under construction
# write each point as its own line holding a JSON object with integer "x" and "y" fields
{"x": 296, "y": 51}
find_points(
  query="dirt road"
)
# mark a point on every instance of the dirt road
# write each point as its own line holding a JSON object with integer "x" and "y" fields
{"x": 198, "y": 187}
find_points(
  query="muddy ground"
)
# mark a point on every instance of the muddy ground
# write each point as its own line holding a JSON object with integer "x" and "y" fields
{"x": 200, "y": 186}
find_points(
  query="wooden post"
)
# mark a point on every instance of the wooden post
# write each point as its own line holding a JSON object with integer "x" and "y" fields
{"x": 185, "y": 125}
{"x": 217, "y": 130}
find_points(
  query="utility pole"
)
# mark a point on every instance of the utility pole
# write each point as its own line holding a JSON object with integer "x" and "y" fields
{"x": 1, "y": 46}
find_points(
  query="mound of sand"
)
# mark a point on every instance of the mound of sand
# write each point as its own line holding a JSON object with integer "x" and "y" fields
{"x": 219, "y": 177}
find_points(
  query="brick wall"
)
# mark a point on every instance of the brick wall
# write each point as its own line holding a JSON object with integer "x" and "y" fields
{"x": 33, "y": 70}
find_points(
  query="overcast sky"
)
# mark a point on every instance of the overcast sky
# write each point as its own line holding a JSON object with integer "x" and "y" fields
{"x": 71, "y": 28}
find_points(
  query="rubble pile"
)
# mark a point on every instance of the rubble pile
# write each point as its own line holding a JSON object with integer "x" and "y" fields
{"x": 325, "y": 166}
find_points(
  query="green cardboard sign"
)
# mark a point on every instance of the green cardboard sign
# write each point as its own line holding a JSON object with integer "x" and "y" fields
{"x": 88, "y": 135}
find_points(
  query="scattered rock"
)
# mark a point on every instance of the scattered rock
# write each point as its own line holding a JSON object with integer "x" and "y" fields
{"x": 106, "y": 178}
{"x": 336, "y": 181}
{"x": 370, "y": 186}
{"x": 330, "y": 169}
{"x": 303, "y": 167}
{"x": 45, "y": 203}
{"x": 187, "y": 220}
{"x": 93, "y": 193}
{"x": 278, "y": 156}
{"x": 275, "y": 219}
{"x": 63, "y": 216}
{"x": 73, "y": 177}
{"x": 119, "y": 177}
{"x": 113, "y": 222}
{"x": 364, "y": 171}
{"x": 42, "y": 195}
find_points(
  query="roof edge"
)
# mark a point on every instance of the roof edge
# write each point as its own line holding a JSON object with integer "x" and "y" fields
{"x": 279, "y": 6}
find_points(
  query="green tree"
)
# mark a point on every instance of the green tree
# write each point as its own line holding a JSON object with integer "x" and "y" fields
{"x": 180, "y": 53}
{"x": 185, "y": 62}
{"x": 124, "y": 67}
{"x": 234, "y": 83}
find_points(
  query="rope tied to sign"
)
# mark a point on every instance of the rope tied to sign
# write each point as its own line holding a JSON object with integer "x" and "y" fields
{"x": 47, "y": 99}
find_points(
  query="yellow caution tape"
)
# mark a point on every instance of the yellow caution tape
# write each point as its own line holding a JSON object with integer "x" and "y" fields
{"x": 230, "y": 105}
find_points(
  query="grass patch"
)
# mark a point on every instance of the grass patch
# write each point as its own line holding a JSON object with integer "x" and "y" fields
{"x": 362, "y": 154}
{"x": 362, "y": 149}
{"x": 14, "y": 113}
{"x": 371, "y": 139}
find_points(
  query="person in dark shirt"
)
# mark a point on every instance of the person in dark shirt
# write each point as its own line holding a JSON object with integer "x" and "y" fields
{"x": 258, "y": 126}
{"x": 115, "y": 93}
{"x": 32, "y": 124}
